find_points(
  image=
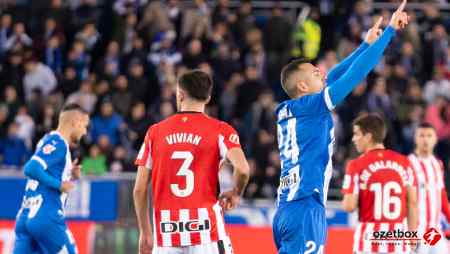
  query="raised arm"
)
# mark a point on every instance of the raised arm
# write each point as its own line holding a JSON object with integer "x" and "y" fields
{"x": 341, "y": 67}
{"x": 367, "y": 60}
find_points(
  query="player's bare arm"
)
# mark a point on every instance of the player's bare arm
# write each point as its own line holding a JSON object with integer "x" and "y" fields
{"x": 241, "y": 174}
{"x": 411, "y": 196}
{"x": 140, "y": 195}
{"x": 350, "y": 202}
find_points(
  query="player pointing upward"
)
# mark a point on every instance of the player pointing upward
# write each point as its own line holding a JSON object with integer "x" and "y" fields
{"x": 182, "y": 155}
{"x": 305, "y": 138}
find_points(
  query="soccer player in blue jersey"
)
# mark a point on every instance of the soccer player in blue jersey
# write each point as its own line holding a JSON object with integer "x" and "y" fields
{"x": 40, "y": 225}
{"x": 306, "y": 138}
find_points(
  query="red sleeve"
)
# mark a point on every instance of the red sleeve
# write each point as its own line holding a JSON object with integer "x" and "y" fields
{"x": 144, "y": 157}
{"x": 228, "y": 138}
{"x": 351, "y": 179}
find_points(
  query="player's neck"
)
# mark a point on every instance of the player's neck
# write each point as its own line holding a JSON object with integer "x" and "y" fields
{"x": 374, "y": 147}
{"x": 64, "y": 133}
{"x": 192, "y": 107}
{"x": 423, "y": 154}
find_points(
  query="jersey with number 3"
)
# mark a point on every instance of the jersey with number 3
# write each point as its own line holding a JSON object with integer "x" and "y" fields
{"x": 184, "y": 152}
{"x": 305, "y": 140}
{"x": 380, "y": 179}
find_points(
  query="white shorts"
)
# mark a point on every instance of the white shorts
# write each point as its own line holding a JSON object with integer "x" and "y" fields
{"x": 221, "y": 247}
{"x": 440, "y": 247}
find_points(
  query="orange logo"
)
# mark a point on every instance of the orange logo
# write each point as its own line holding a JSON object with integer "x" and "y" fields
{"x": 432, "y": 236}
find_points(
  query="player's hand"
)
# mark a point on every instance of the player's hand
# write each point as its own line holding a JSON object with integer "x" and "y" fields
{"x": 145, "y": 244}
{"x": 374, "y": 32}
{"x": 76, "y": 169}
{"x": 399, "y": 18}
{"x": 229, "y": 200}
{"x": 67, "y": 186}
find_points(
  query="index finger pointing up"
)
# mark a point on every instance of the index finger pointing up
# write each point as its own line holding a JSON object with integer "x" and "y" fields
{"x": 402, "y": 6}
{"x": 378, "y": 23}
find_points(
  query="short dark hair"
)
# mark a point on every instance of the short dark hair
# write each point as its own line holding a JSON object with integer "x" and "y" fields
{"x": 73, "y": 107}
{"x": 198, "y": 84}
{"x": 373, "y": 124}
{"x": 425, "y": 125}
{"x": 287, "y": 71}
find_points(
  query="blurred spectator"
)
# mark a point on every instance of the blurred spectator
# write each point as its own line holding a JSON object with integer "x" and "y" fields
{"x": 410, "y": 60}
{"x": 248, "y": 92}
{"x": 26, "y": 126}
{"x": 119, "y": 162}
{"x": 221, "y": 12}
{"x": 47, "y": 120}
{"x": 194, "y": 54}
{"x": 242, "y": 22}
{"x": 95, "y": 163}
{"x": 379, "y": 100}
{"x": 18, "y": 39}
{"x": 138, "y": 124}
{"x": 112, "y": 58}
{"x": 155, "y": 20}
{"x": 13, "y": 72}
{"x": 13, "y": 151}
{"x": 126, "y": 33}
{"x": 5, "y": 31}
{"x": 79, "y": 59}
{"x": 361, "y": 15}
{"x": 69, "y": 83}
{"x": 54, "y": 55}
{"x": 163, "y": 50}
{"x": 122, "y": 98}
{"x": 438, "y": 115}
{"x": 223, "y": 63}
{"x": 107, "y": 123}
{"x": 4, "y": 120}
{"x": 85, "y": 96}
{"x": 11, "y": 100}
{"x": 435, "y": 49}
{"x": 88, "y": 35}
{"x": 438, "y": 86}
{"x": 38, "y": 76}
{"x": 140, "y": 87}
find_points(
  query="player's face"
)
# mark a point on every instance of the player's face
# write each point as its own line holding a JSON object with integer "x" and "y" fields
{"x": 80, "y": 127}
{"x": 426, "y": 139}
{"x": 359, "y": 139}
{"x": 315, "y": 79}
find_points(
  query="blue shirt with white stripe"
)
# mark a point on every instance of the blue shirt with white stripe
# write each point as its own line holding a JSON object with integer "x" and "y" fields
{"x": 305, "y": 125}
{"x": 49, "y": 166}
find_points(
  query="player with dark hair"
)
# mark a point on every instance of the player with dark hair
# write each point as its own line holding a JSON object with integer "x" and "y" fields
{"x": 40, "y": 225}
{"x": 380, "y": 183}
{"x": 306, "y": 138}
{"x": 181, "y": 156}
{"x": 432, "y": 195}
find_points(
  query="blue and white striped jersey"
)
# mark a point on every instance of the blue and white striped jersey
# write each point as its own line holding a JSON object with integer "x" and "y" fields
{"x": 53, "y": 154}
{"x": 305, "y": 141}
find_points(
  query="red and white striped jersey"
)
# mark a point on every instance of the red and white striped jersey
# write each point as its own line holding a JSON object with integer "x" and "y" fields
{"x": 380, "y": 179}
{"x": 184, "y": 152}
{"x": 431, "y": 193}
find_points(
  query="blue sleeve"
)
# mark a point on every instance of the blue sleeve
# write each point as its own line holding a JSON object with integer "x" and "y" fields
{"x": 359, "y": 69}
{"x": 35, "y": 170}
{"x": 311, "y": 104}
{"x": 341, "y": 67}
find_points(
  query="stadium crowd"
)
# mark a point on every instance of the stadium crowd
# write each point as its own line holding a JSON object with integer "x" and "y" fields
{"x": 119, "y": 60}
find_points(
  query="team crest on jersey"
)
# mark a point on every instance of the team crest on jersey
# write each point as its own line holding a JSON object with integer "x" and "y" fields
{"x": 48, "y": 149}
{"x": 234, "y": 138}
{"x": 184, "y": 119}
